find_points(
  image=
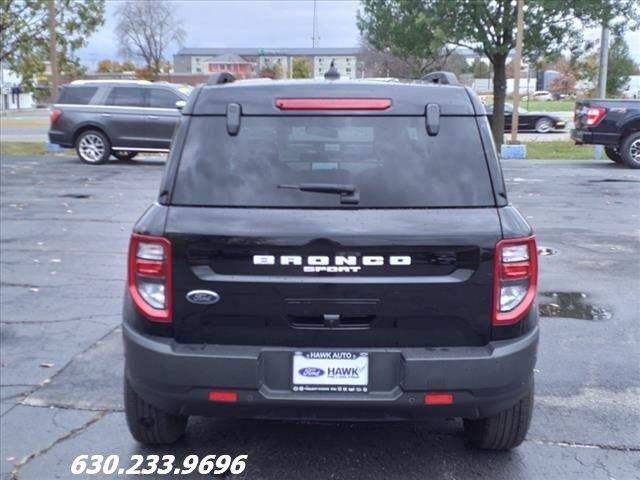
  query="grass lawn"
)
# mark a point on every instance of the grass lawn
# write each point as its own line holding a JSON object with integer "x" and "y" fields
{"x": 552, "y": 106}
{"x": 562, "y": 150}
{"x": 26, "y": 148}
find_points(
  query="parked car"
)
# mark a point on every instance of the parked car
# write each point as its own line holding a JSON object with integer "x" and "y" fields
{"x": 115, "y": 117}
{"x": 332, "y": 250}
{"x": 541, "y": 122}
{"x": 612, "y": 123}
{"x": 541, "y": 95}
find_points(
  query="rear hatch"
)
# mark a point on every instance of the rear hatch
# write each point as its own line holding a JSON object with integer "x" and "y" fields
{"x": 409, "y": 262}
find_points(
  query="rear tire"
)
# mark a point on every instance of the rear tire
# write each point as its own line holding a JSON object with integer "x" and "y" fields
{"x": 148, "y": 424}
{"x": 124, "y": 155}
{"x": 93, "y": 147}
{"x": 630, "y": 150}
{"x": 613, "y": 153}
{"x": 503, "y": 431}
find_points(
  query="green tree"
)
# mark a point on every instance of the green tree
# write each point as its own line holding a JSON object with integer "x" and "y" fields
{"x": 301, "y": 68}
{"x": 620, "y": 66}
{"x": 456, "y": 63}
{"x": 24, "y": 28}
{"x": 488, "y": 28}
{"x": 480, "y": 69}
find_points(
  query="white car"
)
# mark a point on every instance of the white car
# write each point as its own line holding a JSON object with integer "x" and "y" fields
{"x": 542, "y": 95}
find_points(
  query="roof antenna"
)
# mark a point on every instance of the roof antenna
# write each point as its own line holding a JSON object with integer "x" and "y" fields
{"x": 332, "y": 73}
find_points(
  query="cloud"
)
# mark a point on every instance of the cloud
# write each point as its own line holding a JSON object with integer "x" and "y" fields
{"x": 260, "y": 24}
{"x": 255, "y": 23}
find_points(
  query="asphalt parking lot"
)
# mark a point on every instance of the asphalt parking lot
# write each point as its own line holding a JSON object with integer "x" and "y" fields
{"x": 64, "y": 233}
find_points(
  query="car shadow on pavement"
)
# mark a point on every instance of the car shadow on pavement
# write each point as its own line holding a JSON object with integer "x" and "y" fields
{"x": 288, "y": 449}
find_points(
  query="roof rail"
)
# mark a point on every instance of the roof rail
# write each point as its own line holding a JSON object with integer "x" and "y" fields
{"x": 220, "y": 78}
{"x": 110, "y": 80}
{"x": 441, "y": 78}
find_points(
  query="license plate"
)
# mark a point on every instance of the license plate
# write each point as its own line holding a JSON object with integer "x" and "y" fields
{"x": 331, "y": 371}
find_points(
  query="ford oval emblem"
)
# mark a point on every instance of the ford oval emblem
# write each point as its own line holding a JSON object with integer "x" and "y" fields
{"x": 203, "y": 297}
{"x": 311, "y": 372}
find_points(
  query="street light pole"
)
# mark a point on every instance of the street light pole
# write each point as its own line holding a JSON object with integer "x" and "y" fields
{"x": 53, "y": 50}
{"x": 517, "y": 61}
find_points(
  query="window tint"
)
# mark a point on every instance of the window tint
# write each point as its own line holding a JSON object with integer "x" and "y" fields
{"x": 77, "y": 95}
{"x": 162, "y": 98}
{"x": 390, "y": 160}
{"x": 127, "y": 97}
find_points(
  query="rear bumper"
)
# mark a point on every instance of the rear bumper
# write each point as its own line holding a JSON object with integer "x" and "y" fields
{"x": 595, "y": 138}
{"x": 60, "y": 138}
{"x": 177, "y": 378}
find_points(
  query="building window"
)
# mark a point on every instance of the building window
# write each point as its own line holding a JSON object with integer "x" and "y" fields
{"x": 348, "y": 69}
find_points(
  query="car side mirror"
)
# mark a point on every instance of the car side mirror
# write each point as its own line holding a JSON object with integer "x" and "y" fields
{"x": 180, "y": 104}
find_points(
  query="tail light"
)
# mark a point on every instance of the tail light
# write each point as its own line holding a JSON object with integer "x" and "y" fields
{"x": 595, "y": 115}
{"x": 150, "y": 276}
{"x": 54, "y": 115}
{"x": 515, "y": 279}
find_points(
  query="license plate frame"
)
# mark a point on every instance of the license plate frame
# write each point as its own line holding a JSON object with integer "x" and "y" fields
{"x": 330, "y": 371}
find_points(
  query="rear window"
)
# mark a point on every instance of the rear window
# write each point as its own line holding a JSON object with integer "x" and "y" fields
{"x": 127, "y": 97}
{"x": 391, "y": 161}
{"x": 77, "y": 95}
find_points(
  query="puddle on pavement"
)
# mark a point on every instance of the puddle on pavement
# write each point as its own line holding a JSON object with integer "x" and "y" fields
{"x": 75, "y": 195}
{"x": 604, "y": 180}
{"x": 544, "y": 251}
{"x": 571, "y": 305}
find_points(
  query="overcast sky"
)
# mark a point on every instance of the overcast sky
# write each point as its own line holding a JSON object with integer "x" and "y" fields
{"x": 260, "y": 24}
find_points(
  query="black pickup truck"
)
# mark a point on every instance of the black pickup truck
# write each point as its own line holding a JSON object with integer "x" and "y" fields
{"x": 612, "y": 123}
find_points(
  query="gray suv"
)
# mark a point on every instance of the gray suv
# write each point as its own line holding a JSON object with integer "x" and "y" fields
{"x": 116, "y": 117}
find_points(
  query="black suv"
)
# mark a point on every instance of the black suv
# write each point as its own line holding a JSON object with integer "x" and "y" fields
{"x": 116, "y": 117}
{"x": 332, "y": 250}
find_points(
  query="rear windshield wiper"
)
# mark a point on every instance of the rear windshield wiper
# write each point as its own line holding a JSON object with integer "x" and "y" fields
{"x": 348, "y": 193}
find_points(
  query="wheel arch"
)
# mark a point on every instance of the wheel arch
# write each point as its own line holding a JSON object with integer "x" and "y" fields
{"x": 630, "y": 127}
{"x": 90, "y": 126}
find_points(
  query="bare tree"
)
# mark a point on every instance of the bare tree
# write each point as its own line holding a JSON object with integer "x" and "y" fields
{"x": 383, "y": 63}
{"x": 146, "y": 28}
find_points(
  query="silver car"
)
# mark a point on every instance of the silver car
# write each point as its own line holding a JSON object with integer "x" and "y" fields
{"x": 116, "y": 117}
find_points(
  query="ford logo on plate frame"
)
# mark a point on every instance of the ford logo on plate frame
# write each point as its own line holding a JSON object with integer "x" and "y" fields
{"x": 311, "y": 372}
{"x": 203, "y": 297}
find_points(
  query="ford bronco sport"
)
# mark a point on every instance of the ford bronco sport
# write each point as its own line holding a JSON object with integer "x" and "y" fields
{"x": 332, "y": 250}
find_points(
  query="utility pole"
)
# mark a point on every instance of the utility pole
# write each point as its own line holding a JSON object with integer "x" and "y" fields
{"x": 53, "y": 50}
{"x": 517, "y": 61}
{"x": 314, "y": 36}
{"x": 602, "y": 73}
{"x": 604, "y": 60}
